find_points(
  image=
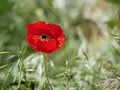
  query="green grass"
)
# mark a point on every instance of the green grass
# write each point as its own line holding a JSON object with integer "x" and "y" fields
{"x": 89, "y": 60}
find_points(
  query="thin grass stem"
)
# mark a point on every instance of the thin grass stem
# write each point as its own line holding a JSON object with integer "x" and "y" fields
{"x": 67, "y": 76}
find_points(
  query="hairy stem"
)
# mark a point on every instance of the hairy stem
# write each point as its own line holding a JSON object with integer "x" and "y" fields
{"x": 45, "y": 66}
{"x": 46, "y": 72}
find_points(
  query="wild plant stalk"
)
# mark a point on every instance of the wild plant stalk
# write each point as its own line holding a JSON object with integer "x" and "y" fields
{"x": 46, "y": 72}
{"x": 67, "y": 76}
{"x": 52, "y": 10}
{"x": 7, "y": 76}
{"x": 22, "y": 72}
{"x": 21, "y": 66}
{"x": 45, "y": 66}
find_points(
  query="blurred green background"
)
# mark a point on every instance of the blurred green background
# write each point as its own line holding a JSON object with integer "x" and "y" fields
{"x": 92, "y": 48}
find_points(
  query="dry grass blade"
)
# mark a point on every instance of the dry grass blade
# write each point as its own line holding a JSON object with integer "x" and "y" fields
{"x": 110, "y": 84}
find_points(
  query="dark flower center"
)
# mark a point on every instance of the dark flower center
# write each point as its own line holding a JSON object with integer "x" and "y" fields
{"x": 44, "y": 37}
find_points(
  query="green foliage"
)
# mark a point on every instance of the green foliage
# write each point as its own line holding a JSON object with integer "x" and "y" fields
{"x": 4, "y": 6}
{"x": 89, "y": 60}
{"x": 112, "y": 23}
{"x": 117, "y": 2}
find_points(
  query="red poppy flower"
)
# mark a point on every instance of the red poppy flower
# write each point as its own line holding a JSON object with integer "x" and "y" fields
{"x": 45, "y": 37}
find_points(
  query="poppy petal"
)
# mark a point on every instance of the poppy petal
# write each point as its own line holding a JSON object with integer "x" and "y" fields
{"x": 54, "y": 42}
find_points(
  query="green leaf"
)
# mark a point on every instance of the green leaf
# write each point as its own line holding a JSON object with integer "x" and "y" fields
{"x": 5, "y": 52}
{"x": 86, "y": 56}
{"x": 3, "y": 66}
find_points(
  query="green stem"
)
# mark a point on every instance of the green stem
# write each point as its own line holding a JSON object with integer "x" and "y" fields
{"x": 19, "y": 68}
{"x": 67, "y": 76}
{"x": 46, "y": 72}
{"x": 7, "y": 76}
{"x": 22, "y": 72}
{"x": 45, "y": 66}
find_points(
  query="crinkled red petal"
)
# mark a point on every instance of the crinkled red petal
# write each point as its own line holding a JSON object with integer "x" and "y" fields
{"x": 55, "y": 29}
{"x": 46, "y": 46}
{"x": 40, "y": 28}
{"x": 31, "y": 39}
